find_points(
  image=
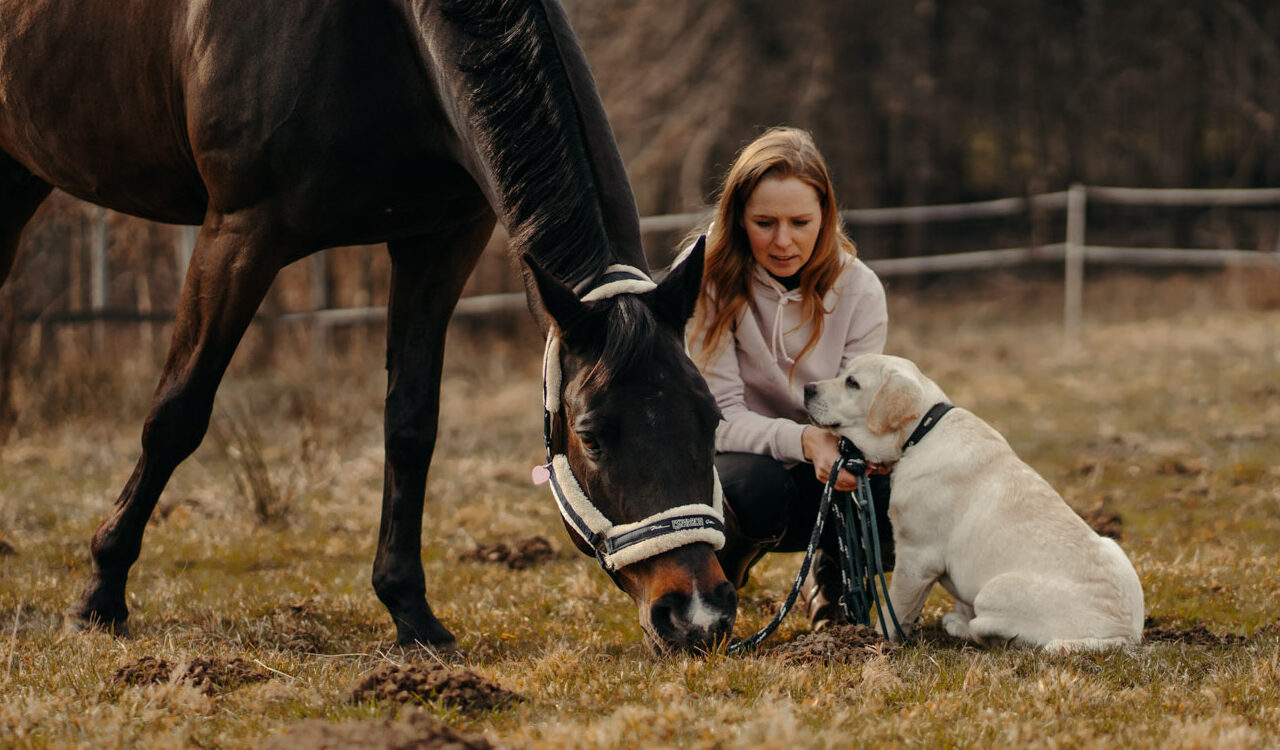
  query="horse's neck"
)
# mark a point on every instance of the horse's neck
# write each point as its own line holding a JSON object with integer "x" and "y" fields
{"x": 535, "y": 133}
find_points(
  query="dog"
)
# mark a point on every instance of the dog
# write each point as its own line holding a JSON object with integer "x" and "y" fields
{"x": 967, "y": 513}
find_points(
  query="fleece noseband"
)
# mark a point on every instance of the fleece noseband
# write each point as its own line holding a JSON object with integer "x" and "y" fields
{"x": 618, "y": 545}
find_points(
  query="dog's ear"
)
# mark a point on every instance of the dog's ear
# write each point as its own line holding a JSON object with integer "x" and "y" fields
{"x": 895, "y": 405}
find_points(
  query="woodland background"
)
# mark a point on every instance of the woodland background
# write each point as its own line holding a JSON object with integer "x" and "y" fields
{"x": 912, "y": 103}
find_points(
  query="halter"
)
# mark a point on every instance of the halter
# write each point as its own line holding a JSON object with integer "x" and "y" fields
{"x": 616, "y": 546}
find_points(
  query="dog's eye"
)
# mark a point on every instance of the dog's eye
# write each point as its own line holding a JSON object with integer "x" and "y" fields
{"x": 850, "y": 382}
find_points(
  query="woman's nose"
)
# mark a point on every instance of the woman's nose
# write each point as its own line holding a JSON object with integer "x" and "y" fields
{"x": 782, "y": 237}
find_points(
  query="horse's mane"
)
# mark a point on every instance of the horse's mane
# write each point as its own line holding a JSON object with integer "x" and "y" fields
{"x": 527, "y": 120}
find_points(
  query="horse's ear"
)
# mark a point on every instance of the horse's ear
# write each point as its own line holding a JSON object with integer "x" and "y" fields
{"x": 558, "y": 305}
{"x": 554, "y": 300}
{"x": 676, "y": 297}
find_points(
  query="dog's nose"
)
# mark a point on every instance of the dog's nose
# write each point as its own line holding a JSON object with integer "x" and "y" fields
{"x": 810, "y": 390}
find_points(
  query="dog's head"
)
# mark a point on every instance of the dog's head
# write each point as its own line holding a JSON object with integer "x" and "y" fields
{"x": 876, "y": 403}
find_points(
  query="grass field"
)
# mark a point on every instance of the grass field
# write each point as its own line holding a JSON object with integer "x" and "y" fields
{"x": 1168, "y": 415}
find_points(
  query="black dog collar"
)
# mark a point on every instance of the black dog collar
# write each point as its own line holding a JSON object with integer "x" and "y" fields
{"x": 927, "y": 423}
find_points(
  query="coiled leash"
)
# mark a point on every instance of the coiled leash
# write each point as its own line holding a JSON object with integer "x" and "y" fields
{"x": 858, "y": 538}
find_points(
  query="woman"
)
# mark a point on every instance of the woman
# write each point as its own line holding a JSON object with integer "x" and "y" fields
{"x": 785, "y": 301}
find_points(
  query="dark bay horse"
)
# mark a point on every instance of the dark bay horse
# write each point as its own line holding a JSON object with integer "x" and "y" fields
{"x": 286, "y": 127}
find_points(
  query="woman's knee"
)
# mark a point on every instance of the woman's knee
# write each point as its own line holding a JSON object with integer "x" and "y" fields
{"x": 759, "y": 492}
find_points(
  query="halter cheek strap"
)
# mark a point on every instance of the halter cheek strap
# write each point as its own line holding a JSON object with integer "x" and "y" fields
{"x": 619, "y": 545}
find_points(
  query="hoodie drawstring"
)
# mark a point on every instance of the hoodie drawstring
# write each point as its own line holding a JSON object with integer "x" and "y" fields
{"x": 778, "y": 342}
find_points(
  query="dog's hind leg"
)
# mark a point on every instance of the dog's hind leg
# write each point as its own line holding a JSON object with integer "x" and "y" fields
{"x": 1013, "y": 607}
{"x": 1039, "y": 611}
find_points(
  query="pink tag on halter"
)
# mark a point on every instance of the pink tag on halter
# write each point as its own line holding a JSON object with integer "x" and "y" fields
{"x": 541, "y": 474}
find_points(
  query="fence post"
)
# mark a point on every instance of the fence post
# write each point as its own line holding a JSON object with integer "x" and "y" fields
{"x": 319, "y": 301}
{"x": 1074, "y": 271}
{"x": 98, "y": 275}
{"x": 182, "y": 252}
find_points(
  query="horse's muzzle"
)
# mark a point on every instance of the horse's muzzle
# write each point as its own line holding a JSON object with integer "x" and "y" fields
{"x": 685, "y": 602}
{"x": 698, "y": 621}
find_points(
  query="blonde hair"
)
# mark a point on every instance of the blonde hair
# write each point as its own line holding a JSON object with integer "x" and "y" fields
{"x": 779, "y": 152}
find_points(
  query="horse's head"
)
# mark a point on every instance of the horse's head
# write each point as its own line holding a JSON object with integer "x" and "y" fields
{"x": 635, "y": 423}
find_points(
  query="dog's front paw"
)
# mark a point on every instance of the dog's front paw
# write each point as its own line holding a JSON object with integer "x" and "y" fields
{"x": 956, "y": 625}
{"x": 906, "y": 629}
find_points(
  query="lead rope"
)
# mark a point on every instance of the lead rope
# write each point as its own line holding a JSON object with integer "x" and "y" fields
{"x": 859, "y": 545}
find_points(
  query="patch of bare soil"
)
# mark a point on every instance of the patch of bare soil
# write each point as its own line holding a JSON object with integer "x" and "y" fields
{"x": 1104, "y": 522}
{"x": 1195, "y": 635}
{"x": 428, "y": 682}
{"x": 1191, "y": 467}
{"x": 418, "y": 732}
{"x": 522, "y": 555}
{"x": 209, "y": 676}
{"x": 836, "y": 644}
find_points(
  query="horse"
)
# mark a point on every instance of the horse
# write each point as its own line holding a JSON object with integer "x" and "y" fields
{"x": 288, "y": 127}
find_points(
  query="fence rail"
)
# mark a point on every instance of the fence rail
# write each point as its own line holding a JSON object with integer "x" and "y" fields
{"x": 1073, "y": 252}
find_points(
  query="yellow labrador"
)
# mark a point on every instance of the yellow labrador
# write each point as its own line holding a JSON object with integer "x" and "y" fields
{"x": 969, "y": 514}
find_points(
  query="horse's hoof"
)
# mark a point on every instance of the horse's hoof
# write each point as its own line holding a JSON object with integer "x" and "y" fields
{"x": 448, "y": 651}
{"x": 73, "y": 622}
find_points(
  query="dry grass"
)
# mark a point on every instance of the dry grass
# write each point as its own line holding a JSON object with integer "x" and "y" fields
{"x": 1168, "y": 415}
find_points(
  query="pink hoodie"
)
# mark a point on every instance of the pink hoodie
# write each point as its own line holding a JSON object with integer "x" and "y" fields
{"x": 761, "y": 398}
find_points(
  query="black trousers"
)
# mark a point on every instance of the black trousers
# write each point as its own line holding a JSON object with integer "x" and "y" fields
{"x": 770, "y": 501}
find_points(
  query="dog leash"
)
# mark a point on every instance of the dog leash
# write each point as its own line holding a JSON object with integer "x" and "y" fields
{"x": 859, "y": 544}
{"x": 858, "y": 537}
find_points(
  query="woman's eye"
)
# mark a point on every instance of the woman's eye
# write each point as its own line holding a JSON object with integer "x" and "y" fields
{"x": 849, "y": 381}
{"x": 801, "y": 222}
{"x": 764, "y": 224}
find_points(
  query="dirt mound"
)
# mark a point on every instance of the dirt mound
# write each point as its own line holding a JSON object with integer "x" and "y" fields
{"x": 1270, "y": 630}
{"x": 209, "y": 676}
{"x": 523, "y": 555}
{"x": 428, "y": 682}
{"x": 837, "y": 644}
{"x": 418, "y": 732}
{"x": 1104, "y": 522}
{"x": 1195, "y": 635}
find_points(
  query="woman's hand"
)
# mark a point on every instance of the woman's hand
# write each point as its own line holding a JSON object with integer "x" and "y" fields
{"x": 821, "y": 448}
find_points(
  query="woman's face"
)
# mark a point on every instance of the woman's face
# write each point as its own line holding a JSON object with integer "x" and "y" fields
{"x": 782, "y": 217}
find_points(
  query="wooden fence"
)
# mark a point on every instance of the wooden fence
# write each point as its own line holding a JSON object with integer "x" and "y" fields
{"x": 1073, "y": 251}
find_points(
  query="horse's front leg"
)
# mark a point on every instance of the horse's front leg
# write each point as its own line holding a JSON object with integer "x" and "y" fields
{"x": 427, "y": 276}
{"x": 20, "y": 196}
{"x": 234, "y": 262}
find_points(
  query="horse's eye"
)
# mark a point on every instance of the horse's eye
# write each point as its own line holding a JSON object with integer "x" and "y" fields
{"x": 589, "y": 442}
{"x": 849, "y": 381}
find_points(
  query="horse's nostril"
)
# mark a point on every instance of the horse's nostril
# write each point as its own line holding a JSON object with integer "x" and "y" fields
{"x": 726, "y": 596}
{"x": 662, "y": 615}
